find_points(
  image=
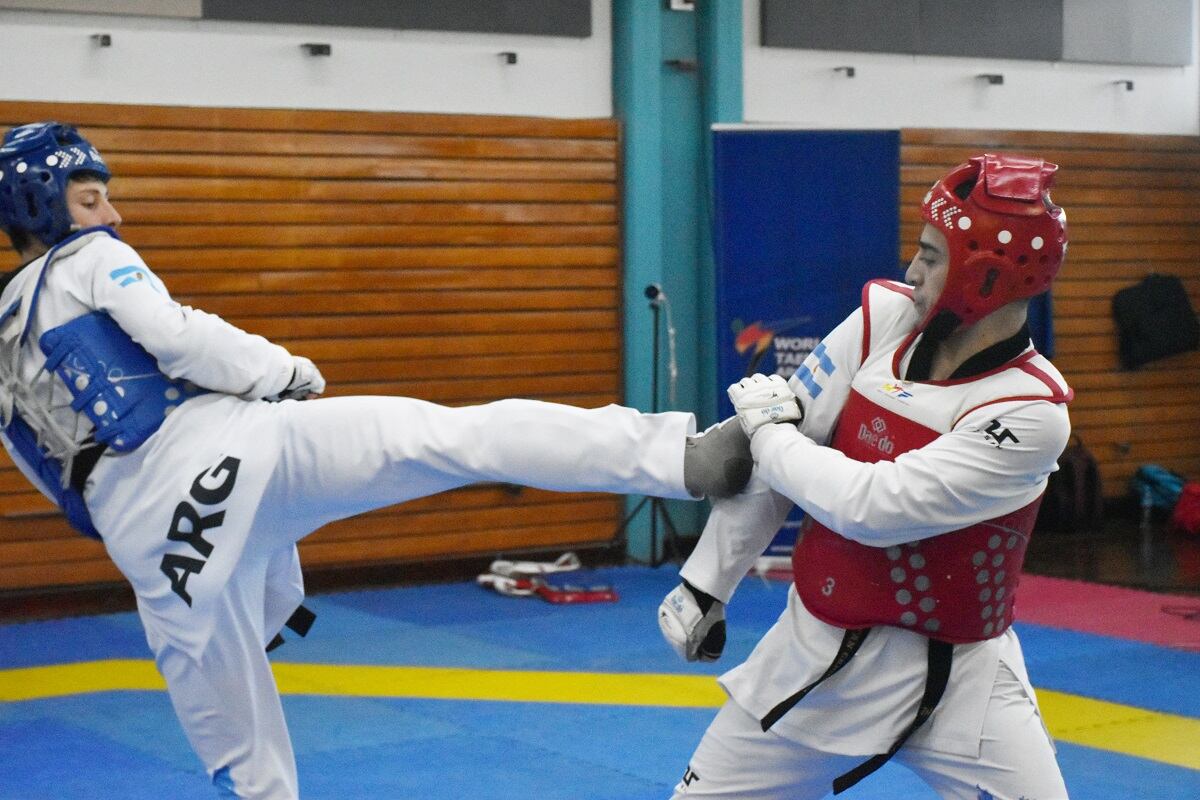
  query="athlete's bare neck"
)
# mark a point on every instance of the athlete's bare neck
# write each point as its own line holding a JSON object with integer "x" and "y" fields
{"x": 963, "y": 343}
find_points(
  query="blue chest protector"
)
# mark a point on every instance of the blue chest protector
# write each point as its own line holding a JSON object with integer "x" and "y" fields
{"x": 114, "y": 382}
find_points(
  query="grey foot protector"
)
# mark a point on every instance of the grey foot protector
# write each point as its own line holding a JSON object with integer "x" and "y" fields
{"x": 717, "y": 463}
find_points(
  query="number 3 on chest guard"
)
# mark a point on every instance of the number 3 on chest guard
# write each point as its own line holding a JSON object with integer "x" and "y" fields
{"x": 827, "y": 589}
{"x": 188, "y": 524}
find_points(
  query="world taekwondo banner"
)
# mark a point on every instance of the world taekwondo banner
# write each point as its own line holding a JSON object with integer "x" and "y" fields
{"x": 803, "y": 218}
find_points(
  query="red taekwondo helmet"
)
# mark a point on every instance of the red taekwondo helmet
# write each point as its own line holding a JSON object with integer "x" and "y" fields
{"x": 1007, "y": 238}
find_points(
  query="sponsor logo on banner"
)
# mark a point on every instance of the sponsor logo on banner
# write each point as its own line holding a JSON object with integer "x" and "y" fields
{"x": 760, "y": 339}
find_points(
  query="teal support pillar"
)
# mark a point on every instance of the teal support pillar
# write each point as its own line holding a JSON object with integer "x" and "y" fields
{"x": 675, "y": 73}
{"x": 720, "y": 40}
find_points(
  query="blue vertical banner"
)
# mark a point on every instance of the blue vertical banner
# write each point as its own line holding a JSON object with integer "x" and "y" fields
{"x": 802, "y": 219}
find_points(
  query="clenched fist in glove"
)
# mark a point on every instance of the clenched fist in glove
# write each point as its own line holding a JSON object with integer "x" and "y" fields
{"x": 762, "y": 399}
{"x": 306, "y": 381}
{"x": 693, "y": 623}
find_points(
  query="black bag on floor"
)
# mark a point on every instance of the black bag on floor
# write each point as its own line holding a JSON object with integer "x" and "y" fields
{"x": 1074, "y": 499}
{"x": 1154, "y": 320}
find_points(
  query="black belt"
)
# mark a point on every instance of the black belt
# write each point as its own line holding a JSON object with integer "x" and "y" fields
{"x": 851, "y": 641}
{"x": 83, "y": 464}
{"x": 938, "y": 675}
{"x": 300, "y": 621}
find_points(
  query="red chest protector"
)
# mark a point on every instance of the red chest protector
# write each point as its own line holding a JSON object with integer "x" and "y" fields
{"x": 957, "y": 587}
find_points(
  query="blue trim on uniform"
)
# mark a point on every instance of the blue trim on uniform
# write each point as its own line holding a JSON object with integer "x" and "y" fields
{"x": 12, "y": 309}
{"x": 224, "y": 784}
{"x": 37, "y": 290}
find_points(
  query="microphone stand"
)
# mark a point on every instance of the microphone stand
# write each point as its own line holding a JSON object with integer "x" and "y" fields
{"x": 658, "y": 506}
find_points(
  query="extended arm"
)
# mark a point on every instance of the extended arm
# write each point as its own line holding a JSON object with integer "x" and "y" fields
{"x": 188, "y": 343}
{"x": 960, "y": 478}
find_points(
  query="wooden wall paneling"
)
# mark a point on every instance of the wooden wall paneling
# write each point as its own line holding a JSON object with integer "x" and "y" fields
{"x": 1133, "y": 207}
{"x": 455, "y": 258}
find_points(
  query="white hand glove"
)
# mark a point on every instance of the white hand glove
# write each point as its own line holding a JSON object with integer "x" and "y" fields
{"x": 762, "y": 399}
{"x": 694, "y": 634}
{"x": 306, "y": 381}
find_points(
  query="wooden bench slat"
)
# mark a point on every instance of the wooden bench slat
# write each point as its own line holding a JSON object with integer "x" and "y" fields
{"x": 489, "y": 388}
{"x": 286, "y": 236}
{"x": 515, "y": 343}
{"x": 597, "y": 508}
{"x": 401, "y": 302}
{"x": 314, "y": 552}
{"x": 363, "y": 213}
{"x": 1108, "y": 178}
{"x": 1083, "y": 234}
{"x": 14, "y": 112}
{"x": 1067, "y": 159}
{"x": 982, "y": 139}
{"x": 124, "y": 188}
{"x": 319, "y": 168}
{"x": 1123, "y": 397}
{"x": 287, "y": 329}
{"x": 59, "y": 574}
{"x": 326, "y": 281}
{"x": 494, "y": 256}
{"x": 1115, "y": 201}
{"x": 207, "y": 142}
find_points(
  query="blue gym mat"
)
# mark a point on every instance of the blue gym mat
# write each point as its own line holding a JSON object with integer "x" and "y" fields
{"x": 128, "y": 745}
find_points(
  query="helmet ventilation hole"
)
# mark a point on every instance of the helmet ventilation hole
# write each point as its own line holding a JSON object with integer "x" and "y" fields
{"x": 973, "y": 245}
{"x": 1022, "y": 260}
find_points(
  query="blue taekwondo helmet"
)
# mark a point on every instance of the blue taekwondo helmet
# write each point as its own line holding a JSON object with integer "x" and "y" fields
{"x": 36, "y": 162}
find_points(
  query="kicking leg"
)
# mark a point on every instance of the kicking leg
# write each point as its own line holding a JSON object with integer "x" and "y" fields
{"x": 343, "y": 456}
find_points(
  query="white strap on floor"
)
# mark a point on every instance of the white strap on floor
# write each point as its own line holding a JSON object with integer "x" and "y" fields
{"x": 567, "y": 562}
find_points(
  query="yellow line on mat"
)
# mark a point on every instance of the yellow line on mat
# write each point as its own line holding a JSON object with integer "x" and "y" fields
{"x": 1138, "y": 732}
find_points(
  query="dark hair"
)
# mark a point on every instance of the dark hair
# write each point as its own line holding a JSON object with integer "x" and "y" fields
{"x": 20, "y": 238}
{"x": 85, "y": 175}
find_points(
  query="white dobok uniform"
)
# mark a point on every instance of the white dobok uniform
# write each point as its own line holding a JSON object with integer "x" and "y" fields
{"x": 985, "y": 739}
{"x": 251, "y": 478}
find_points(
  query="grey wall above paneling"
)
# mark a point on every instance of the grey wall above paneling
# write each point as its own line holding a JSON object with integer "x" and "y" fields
{"x": 1128, "y": 31}
{"x": 859, "y": 25}
{"x": 143, "y": 8}
{"x": 1154, "y": 32}
{"x": 540, "y": 17}
{"x": 991, "y": 28}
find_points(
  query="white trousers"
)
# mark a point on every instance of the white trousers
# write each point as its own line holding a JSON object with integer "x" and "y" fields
{"x": 736, "y": 760}
{"x": 203, "y": 521}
